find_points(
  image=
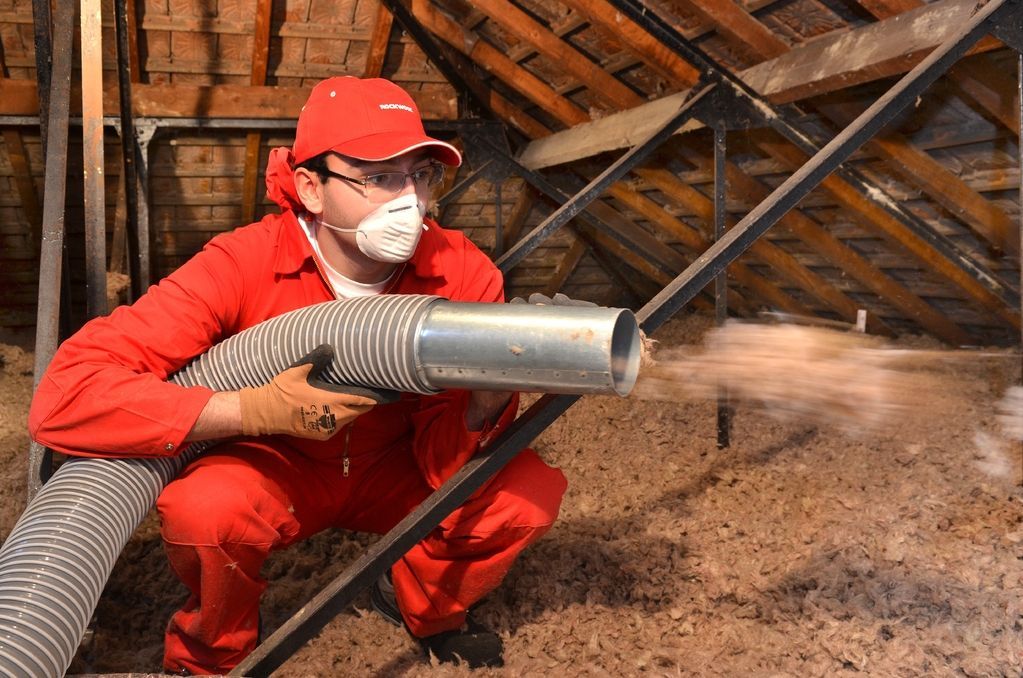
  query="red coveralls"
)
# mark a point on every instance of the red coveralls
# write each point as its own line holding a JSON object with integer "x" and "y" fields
{"x": 105, "y": 394}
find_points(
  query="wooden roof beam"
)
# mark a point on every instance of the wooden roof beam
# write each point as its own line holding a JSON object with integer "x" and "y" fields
{"x": 874, "y": 216}
{"x": 919, "y": 168}
{"x": 496, "y": 63}
{"x": 982, "y": 216}
{"x": 739, "y": 26}
{"x": 665, "y": 255}
{"x": 695, "y": 242}
{"x": 379, "y": 39}
{"x": 565, "y": 267}
{"x": 764, "y": 250}
{"x": 852, "y": 263}
{"x": 15, "y": 147}
{"x": 828, "y": 63}
{"x": 601, "y": 83}
{"x": 520, "y": 213}
{"x": 988, "y": 87}
{"x": 636, "y": 40}
{"x": 19, "y": 97}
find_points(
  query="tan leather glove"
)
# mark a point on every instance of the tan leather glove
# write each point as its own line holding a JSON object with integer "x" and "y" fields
{"x": 296, "y": 402}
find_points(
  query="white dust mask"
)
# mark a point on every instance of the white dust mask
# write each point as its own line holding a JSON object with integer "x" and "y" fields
{"x": 391, "y": 232}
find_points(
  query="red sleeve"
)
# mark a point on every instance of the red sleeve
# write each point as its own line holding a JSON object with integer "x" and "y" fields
{"x": 105, "y": 391}
{"x": 442, "y": 443}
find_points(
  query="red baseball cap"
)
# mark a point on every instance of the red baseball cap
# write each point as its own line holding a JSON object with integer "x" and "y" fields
{"x": 366, "y": 119}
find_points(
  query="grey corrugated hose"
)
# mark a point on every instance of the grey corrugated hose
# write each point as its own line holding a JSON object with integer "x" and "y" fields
{"x": 56, "y": 561}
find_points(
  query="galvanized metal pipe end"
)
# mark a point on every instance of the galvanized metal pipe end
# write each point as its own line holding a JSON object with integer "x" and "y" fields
{"x": 524, "y": 347}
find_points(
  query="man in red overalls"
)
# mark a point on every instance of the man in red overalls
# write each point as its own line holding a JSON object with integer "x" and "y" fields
{"x": 353, "y": 193}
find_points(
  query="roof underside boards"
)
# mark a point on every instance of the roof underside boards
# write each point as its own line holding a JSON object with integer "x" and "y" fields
{"x": 576, "y": 83}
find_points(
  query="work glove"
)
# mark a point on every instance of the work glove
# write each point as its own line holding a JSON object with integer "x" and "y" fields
{"x": 559, "y": 299}
{"x": 298, "y": 402}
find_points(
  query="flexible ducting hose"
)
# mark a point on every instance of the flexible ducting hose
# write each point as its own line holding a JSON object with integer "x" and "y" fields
{"x": 56, "y": 561}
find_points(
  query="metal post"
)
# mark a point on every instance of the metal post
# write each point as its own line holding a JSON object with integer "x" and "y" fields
{"x": 52, "y": 246}
{"x": 1019, "y": 155}
{"x": 498, "y": 226}
{"x": 144, "y": 132}
{"x": 724, "y": 412}
{"x": 42, "y": 21}
{"x": 129, "y": 148}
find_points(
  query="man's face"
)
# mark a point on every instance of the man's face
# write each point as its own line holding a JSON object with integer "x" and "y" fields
{"x": 346, "y": 203}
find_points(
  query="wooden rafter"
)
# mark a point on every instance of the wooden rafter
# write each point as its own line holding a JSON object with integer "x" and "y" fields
{"x": 990, "y": 87}
{"x": 812, "y": 283}
{"x": 875, "y": 217}
{"x": 658, "y": 255}
{"x": 172, "y": 100}
{"x": 983, "y": 217}
{"x": 253, "y": 140}
{"x": 850, "y": 262}
{"x": 987, "y": 87}
{"x": 496, "y": 63}
{"x": 569, "y": 261}
{"x": 133, "y": 43}
{"x": 520, "y": 213}
{"x": 938, "y": 183}
{"x": 633, "y": 38}
{"x": 764, "y": 250}
{"x": 739, "y": 26}
{"x": 695, "y": 242}
{"x": 599, "y": 81}
{"x": 379, "y": 39}
{"x": 828, "y": 63}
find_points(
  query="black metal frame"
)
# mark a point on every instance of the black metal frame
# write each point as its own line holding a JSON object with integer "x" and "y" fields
{"x": 724, "y": 412}
{"x": 340, "y": 593}
{"x": 129, "y": 152}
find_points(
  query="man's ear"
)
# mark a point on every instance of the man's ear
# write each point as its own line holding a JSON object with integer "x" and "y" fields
{"x": 309, "y": 189}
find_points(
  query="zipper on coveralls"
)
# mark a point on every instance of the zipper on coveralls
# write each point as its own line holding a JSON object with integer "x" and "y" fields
{"x": 345, "y": 461}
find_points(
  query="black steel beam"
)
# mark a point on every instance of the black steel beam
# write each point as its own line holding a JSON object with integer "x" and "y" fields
{"x": 616, "y": 171}
{"x": 129, "y": 146}
{"x": 42, "y": 23}
{"x": 724, "y": 412}
{"x": 51, "y": 259}
{"x": 761, "y": 109}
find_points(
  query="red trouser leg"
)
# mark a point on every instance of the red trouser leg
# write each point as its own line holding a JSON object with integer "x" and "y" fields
{"x": 470, "y": 553}
{"x": 220, "y": 520}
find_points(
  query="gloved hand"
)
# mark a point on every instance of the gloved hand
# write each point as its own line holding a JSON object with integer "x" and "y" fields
{"x": 558, "y": 300}
{"x": 297, "y": 402}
